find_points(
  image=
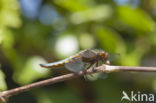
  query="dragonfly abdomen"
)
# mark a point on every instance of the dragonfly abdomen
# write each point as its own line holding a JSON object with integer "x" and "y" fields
{"x": 53, "y": 65}
{"x": 56, "y": 64}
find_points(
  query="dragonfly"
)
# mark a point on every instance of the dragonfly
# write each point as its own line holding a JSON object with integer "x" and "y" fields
{"x": 81, "y": 61}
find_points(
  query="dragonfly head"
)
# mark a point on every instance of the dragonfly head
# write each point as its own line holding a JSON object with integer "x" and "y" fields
{"x": 104, "y": 55}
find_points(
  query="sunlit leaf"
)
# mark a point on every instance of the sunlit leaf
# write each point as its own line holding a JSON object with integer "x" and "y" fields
{"x": 100, "y": 12}
{"x": 110, "y": 40}
{"x": 132, "y": 58}
{"x": 66, "y": 45}
{"x": 31, "y": 71}
{"x": 9, "y": 13}
{"x": 89, "y": 38}
{"x": 8, "y": 39}
{"x": 135, "y": 18}
{"x": 71, "y": 5}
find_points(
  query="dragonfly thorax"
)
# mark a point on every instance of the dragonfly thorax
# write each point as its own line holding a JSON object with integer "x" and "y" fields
{"x": 95, "y": 56}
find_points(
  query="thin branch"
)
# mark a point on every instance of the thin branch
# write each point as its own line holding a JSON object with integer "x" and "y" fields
{"x": 103, "y": 68}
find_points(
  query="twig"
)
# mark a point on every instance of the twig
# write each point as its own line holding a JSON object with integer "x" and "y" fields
{"x": 103, "y": 68}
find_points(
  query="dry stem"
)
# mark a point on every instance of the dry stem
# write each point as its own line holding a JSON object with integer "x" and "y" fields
{"x": 103, "y": 68}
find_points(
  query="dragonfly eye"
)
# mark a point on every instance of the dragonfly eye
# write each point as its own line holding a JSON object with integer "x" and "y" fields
{"x": 104, "y": 56}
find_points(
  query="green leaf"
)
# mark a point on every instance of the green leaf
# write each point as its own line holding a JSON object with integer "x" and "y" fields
{"x": 9, "y": 13}
{"x": 132, "y": 58}
{"x": 72, "y": 5}
{"x": 135, "y": 18}
{"x": 31, "y": 71}
{"x": 110, "y": 40}
{"x": 71, "y": 47}
{"x": 83, "y": 37}
{"x": 8, "y": 39}
{"x": 98, "y": 13}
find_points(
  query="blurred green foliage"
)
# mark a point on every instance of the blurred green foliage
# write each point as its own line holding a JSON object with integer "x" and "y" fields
{"x": 2, "y": 81}
{"x": 33, "y": 32}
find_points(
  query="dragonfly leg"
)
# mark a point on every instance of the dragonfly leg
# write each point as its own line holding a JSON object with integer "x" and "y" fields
{"x": 89, "y": 65}
{"x": 93, "y": 69}
{"x": 95, "y": 65}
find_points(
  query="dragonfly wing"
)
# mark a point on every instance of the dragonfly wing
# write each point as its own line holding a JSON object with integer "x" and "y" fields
{"x": 95, "y": 76}
{"x": 88, "y": 54}
{"x": 75, "y": 65}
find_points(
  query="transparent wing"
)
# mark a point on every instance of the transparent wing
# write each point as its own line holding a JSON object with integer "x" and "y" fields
{"x": 88, "y": 54}
{"x": 95, "y": 76}
{"x": 75, "y": 65}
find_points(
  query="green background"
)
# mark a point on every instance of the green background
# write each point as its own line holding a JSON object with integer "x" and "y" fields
{"x": 39, "y": 31}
